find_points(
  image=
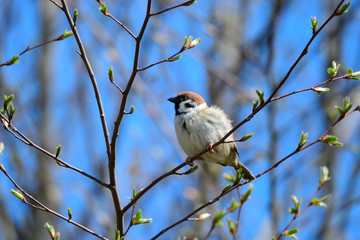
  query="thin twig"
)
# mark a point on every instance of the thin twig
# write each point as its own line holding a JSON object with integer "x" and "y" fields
{"x": 108, "y": 14}
{"x": 58, "y": 5}
{"x": 171, "y": 8}
{"x": 20, "y": 136}
{"x": 297, "y": 215}
{"x": 162, "y": 61}
{"x": 44, "y": 208}
{"x": 31, "y": 48}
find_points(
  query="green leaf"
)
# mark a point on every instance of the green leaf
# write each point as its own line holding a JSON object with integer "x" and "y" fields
{"x": 331, "y": 72}
{"x": 343, "y": 9}
{"x": 117, "y": 235}
{"x": 291, "y": 233}
{"x": 177, "y": 57}
{"x": 137, "y": 216}
{"x": 1, "y": 147}
{"x": 349, "y": 71}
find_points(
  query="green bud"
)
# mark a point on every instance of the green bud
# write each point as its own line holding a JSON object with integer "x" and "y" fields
{"x": 255, "y": 104}
{"x": 19, "y": 195}
{"x": 314, "y": 24}
{"x": 217, "y": 219}
{"x": 1, "y": 147}
{"x": 204, "y": 216}
{"x": 51, "y": 230}
{"x": 324, "y": 176}
{"x": 246, "y": 137}
{"x": 291, "y": 233}
{"x": 231, "y": 226}
{"x": 111, "y": 74}
{"x": 194, "y": 43}
{"x": 233, "y": 206}
{"x": 58, "y": 150}
{"x": 188, "y": 3}
{"x": 69, "y": 213}
{"x": 260, "y": 95}
{"x": 177, "y": 57}
{"x": 75, "y": 15}
{"x": 2, "y": 168}
{"x": 57, "y": 236}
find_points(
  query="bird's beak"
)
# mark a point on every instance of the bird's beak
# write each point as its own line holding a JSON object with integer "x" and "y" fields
{"x": 173, "y": 99}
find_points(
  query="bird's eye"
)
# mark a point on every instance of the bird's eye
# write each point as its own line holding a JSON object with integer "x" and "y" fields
{"x": 189, "y": 105}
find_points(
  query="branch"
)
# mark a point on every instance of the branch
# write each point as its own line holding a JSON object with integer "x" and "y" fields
{"x": 107, "y": 13}
{"x": 44, "y": 208}
{"x": 232, "y": 188}
{"x": 20, "y": 136}
{"x": 187, "y": 3}
{"x": 59, "y": 38}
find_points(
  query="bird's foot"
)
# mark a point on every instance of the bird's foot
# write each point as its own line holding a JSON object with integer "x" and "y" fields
{"x": 210, "y": 147}
{"x": 189, "y": 162}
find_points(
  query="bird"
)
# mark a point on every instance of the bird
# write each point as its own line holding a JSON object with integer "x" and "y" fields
{"x": 199, "y": 126}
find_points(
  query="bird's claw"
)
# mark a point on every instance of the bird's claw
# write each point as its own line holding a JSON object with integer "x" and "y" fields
{"x": 189, "y": 162}
{"x": 210, "y": 147}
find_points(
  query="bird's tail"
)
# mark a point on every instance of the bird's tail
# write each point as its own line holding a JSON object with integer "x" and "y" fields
{"x": 247, "y": 173}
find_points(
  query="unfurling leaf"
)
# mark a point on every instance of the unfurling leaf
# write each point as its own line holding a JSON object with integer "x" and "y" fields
{"x": 324, "y": 176}
{"x": 247, "y": 194}
{"x": 314, "y": 24}
{"x": 204, "y": 216}
{"x": 65, "y": 34}
{"x": 343, "y": 9}
{"x": 229, "y": 176}
{"x": 303, "y": 139}
{"x": 103, "y": 9}
{"x": 231, "y": 226}
{"x": 332, "y": 140}
{"x": 291, "y": 233}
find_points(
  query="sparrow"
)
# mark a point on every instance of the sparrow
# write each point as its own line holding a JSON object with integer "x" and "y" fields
{"x": 198, "y": 127}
